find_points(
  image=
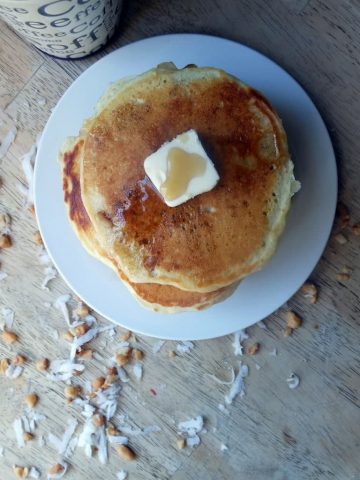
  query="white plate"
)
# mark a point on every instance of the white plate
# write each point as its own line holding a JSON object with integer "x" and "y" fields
{"x": 308, "y": 225}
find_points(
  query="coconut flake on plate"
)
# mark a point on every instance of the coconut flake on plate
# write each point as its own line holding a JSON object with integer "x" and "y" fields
{"x": 185, "y": 347}
{"x": 62, "y": 445}
{"x": 57, "y": 476}
{"x": 7, "y": 321}
{"x": 238, "y": 387}
{"x": 41, "y": 441}
{"x": 239, "y": 336}
{"x": 7, "y": 141}
{"x": 122, "y": 475}
{"x": 34, "y": 473}
{"x": 158, "y": 346}
{"x": 293, "y": 381}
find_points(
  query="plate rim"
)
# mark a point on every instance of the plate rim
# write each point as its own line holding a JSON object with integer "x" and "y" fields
{"x": 197, "y": 37}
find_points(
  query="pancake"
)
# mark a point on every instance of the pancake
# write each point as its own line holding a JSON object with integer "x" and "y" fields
{"x": 159, "y": 298}
{"x": 216, "y": 238}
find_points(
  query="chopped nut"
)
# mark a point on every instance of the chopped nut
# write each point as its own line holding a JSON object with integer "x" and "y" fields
{"x": 98, "y": 420}
{"x": 125, "y": 452}
{"x": 340, "y": 238}
{"x": 5, "y": 241}
{"x": 20, "y": 472}
{"x": 112, "y": 371}
{"x": 42, "y": 365}
{"x": 122, "y": 359}
{"x": 343, "y": 214}
{"x": 98, "y": 383}
{"x": 4, "y": 364}
{"x": 125, "y": 336}
{"x": 77, "y": 373}
{"x": 356, "y": 229}
{"x": 31, "y": 400}
{"x": 31, "y": 209}
{"x": 27, "y": 436}
{"x": 180, "y": 443}
{"x": 342, "y": 277}
{"x": 112, "y": 431}
{"x": 292, "y": 320}
{"x": 68, "y": 336}
{"x": 253, "y": 349}
{"x": 82, "y": 310}
{"x": 5, "y": 221}
{"x": 85, "y": 353}
{"x": 137, "y": 354}
{"x": 18, "y": 360}
{"x": 72, "y": 391}
{"x": 37, "y": 238}
{"x": 9, "y": 337}
{"x": 81, "y": 329}
{"x": 55, "y": 469}
{"x": 288, "y": 331}
{"x": 172, "y": 354}
{"x": 310, "y": 292}
{"x": 110, "y": 379}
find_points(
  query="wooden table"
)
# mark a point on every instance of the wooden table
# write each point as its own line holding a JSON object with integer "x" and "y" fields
{"x": 273, "y": 432}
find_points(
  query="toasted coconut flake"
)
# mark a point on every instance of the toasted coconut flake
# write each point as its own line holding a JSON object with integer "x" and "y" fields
{"x": 7, "y": 142}
{"x": 158, "y": 346}
{"x": 185, "y": 347}
{"x": 238, "y": 338}
{"x": 238, "y": 387}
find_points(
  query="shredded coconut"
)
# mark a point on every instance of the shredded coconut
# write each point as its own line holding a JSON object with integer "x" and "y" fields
{"x": 50, "y": 273}
{"x": 34, "y": 473}
{"x": 223, "y": 409}
{"x": 273, "y": 352}
{"x": 122, "y": 374}
{"x": 7, "y": 318}
{"x": 238, "y": 338}
{"x": 223, "y": 447}
{"x": 19, "y": 432}
{"x": 293, "y": 381}
{"x": 118, "y": 439}
{"x": 61, "y": 304}
{"x": 14, "y": 371}
{"x": 158, "y": 346}
{"x": 41, "y": 441}
{"x": 184, "y": 347}
{"x": 138, "y": 371}
{"x": 62, "y": 370}
{"x": 238, "y": 387}
{"x": 93, "y": 436}
{"x": 122, "y": 475}
{"x": 27, "y": 162}
{"x": 7, "y": 142}
{"x": 62, "y": 445}
{"x": 107, "y": 400}
{"x": 3, "y": 275}
{"x": 138, "y": 431}
{"x": 192, "y": 426}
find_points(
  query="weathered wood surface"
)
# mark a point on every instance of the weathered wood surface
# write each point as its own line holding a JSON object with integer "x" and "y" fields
{"x": 272, "y": 432}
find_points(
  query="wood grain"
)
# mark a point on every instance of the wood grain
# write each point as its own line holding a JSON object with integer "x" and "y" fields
{"x": 272, "y": 432}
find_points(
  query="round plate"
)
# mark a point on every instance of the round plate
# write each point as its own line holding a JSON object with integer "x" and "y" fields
{"x": 309, "y": 222}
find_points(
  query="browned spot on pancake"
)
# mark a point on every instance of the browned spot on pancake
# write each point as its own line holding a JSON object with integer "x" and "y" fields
{"x": 71, "y": 186}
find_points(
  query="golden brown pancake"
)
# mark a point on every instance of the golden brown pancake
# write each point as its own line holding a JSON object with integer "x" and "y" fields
{"x": 216, "y": 238}
{"x": 157, "y": 297}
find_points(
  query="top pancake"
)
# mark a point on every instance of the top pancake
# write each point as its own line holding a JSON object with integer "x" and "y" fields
{"x": 216, "y": 238}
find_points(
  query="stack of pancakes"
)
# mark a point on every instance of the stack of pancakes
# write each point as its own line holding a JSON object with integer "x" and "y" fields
{"x": 194, "y": 255}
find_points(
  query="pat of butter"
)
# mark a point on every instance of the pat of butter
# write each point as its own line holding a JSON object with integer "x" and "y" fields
{"x": 181, "y": 169}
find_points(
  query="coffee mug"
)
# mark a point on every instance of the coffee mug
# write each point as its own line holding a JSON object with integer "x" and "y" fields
{"x": 63, "y": 28}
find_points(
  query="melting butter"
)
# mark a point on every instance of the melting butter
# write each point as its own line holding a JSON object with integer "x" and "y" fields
{"x": 182, "y": 168}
